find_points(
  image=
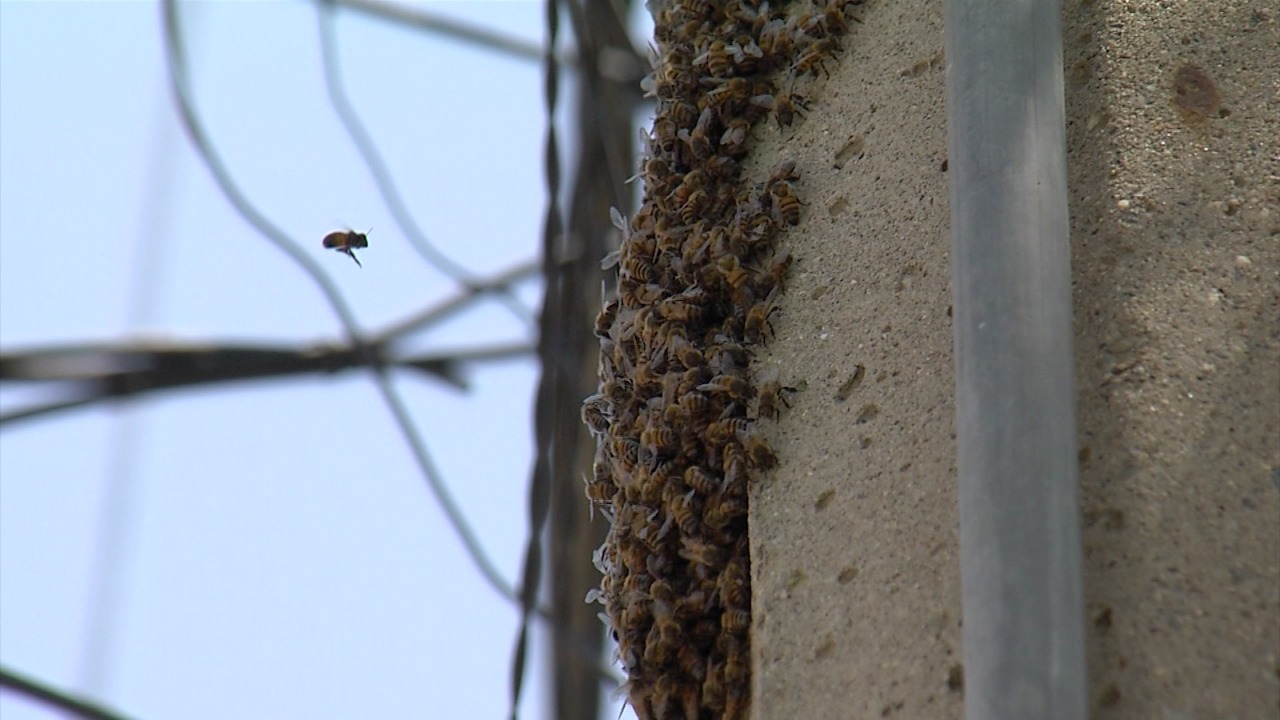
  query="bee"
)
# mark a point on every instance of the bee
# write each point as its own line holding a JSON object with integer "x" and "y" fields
{"x": 680, "y": 310}
{"x": 723, "y": 511}
{"x": 694, "y": 207}
{"x": 814, "y": 59}
{"x": 773, "y": 398}
{"x": 759, "y": 455}
{"x": 604, "y": 321}
{"x": 734, "y": 139}
{"x": 787, "y": 108}
{"x": 784, "y": 172}
{"x": 700, "y": 553}
{"x": 659, "y": 437}
{"x": 733, "y": 89}
{"x": 637, "y": 269}
{"x": 731, "y": 385}
{"x": 625, "y": 450}
{"x": 700, "y": 480}
{"x": 694, "y": 403}
{"x": 716, "y": 58}
{"x": 600, "y": 493}
{"x": 685, "y": 513}
{"x": 686, "y": 353}
{"x": 777, "y": 271}
{"x": 786, "y": 202}
{"x": 732, "y": 272}
{"x": 736, "y": 669}
{"x": 757, "y": 326}
{"x": 736, "y": 621}
{"x": 596, "y": 412}
{"x": 747, "y": 55}
{"x": 346, "y": 241}
{"x": 733, "y": 584}
{"x": 775, "y": 41}
{"x": 721, "y": 431}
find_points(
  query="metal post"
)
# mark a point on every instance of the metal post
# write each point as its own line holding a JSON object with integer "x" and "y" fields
{"x": 1015, "y": 401}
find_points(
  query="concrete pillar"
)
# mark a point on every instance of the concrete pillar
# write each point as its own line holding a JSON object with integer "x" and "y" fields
{"x": 1174, "y": 168}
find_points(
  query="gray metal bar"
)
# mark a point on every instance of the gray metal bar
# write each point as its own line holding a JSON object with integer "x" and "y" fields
{"x": 1015, "y": 401}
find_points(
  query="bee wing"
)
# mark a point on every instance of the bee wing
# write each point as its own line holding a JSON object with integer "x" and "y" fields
{"x": 619, "y": 220}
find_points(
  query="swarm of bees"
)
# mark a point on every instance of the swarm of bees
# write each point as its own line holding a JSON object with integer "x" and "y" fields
{"x": 676, "y": 413}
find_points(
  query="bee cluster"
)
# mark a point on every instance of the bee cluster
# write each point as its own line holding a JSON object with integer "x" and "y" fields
{"x": 675, "y": 415}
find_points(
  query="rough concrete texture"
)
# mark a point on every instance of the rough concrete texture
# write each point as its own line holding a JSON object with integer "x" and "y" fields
{"x": 854, "y": 538}
{"x": 1175, "y": 199}
{"x": 1176, "y": 241}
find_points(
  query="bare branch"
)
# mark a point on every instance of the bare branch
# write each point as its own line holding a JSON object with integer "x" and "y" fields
{"x": 42, "y": 693}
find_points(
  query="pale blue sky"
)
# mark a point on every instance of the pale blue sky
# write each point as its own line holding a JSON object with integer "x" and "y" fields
{"x": 284, "y": 558}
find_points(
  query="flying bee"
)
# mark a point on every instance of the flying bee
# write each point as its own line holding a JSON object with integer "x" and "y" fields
{"x": 346, "y": 241}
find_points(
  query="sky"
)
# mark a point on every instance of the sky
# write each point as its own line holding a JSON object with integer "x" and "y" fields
{"x": 272, "y": 546}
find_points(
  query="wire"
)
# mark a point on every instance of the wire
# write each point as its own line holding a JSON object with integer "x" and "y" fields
{"x": 195, "y": 130}
{"x": 40, "y": 692}
{"x": 382, "y": 174}
{"x": 178, "y": 77}
{"x": 548, "y": 400}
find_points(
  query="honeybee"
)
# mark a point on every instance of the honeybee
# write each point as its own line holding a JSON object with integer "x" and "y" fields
{"x": 604, "y": 320}
{"x": 746, "y": 54}
{"x": 596, "y": 412}
{"x": 600, "y": 493}
{"x": 721, "y": 431}
{"x": 734, "y": 387}
{"x": 787, "y": 108}
{"x": 716, "y": 58}
{"x": 694, "y": 403}
{"x": 814, "y": 58}
{"x": 776, "y": 273}
{"x": 733, "y": 89}
{"x": 759, "y": 455}
{"x": 773, "y": 398}
{"x": 784, "y": 172}
{"x": 685, "y": 513}
{"x": 346, "y": 241}
{"x": 757, "y": 326}
{"x": 774, "y": 39}
{"x": 701, "y": 553}
{"x": 734, "y": 139}
{"x": 700, "y": 480}
{"x": 736, "y": 621}
{"x": 659, "y": 437}
{"x": 693, "y": 208}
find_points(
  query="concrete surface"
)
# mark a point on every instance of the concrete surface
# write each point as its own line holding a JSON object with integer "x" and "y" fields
{"x": 1175, "y": 198}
